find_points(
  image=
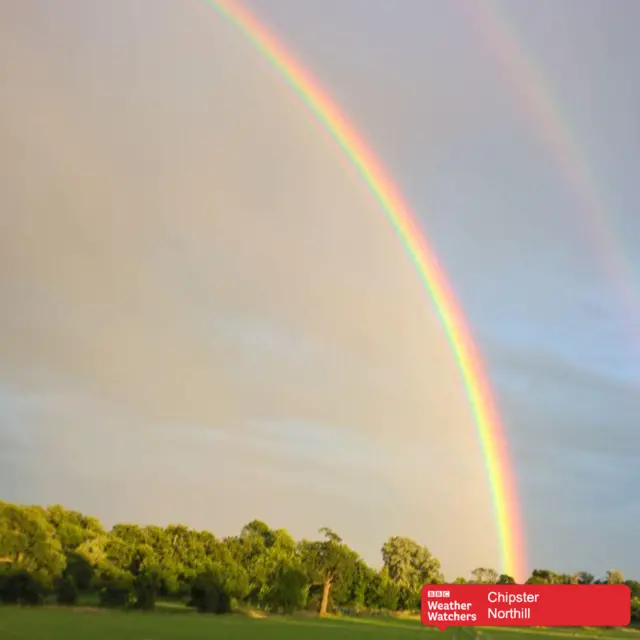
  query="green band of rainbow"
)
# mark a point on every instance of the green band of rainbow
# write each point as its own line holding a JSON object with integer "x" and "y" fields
{"x": 404, "y": 222}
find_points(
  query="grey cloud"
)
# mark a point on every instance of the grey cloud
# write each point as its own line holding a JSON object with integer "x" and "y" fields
{"x": 577, "y": 449}
{"x": 196, "y": 281}
{"x": 186, "y": 255}
{"x": 560, "y": 405}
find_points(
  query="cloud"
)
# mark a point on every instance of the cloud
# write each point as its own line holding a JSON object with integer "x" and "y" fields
{"x": 574, "y": 439}
{"x": 587, "y": 409}
{"x": 201, "y": 300}
{"x": 206, "y": 317}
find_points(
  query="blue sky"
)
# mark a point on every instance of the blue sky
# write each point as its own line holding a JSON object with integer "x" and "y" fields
{"x": 198, "y": 290}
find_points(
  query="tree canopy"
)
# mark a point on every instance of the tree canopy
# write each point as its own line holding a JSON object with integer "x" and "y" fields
{"x": 56, "y": 552}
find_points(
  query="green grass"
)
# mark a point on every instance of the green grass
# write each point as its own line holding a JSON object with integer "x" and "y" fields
{"x": 70, "y": 624}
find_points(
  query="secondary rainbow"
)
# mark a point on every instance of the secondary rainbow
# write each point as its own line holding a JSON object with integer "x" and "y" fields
{"x": 489, "y": 428}
{"x": 553, "y": 127}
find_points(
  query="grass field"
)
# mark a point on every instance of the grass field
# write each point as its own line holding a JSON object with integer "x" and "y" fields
{"x": 70, "y": 624}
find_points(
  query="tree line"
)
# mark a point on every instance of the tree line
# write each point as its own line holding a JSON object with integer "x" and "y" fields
{"x": 53, "y": 552}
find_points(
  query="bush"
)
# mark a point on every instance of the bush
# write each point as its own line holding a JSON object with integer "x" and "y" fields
{"x": 314, "y": 598}
{"x": 146, "y": 587}
{"x": 67, "y": 591}
{"x": 20, "y": 587}
{"x": 170, "y": 585}
{"x": 208, "y": 594}
{"x": 79, "y": 570}
{"x": 635, "y": 610}
{"x": 117, "y": 592}
{"x": 290, "y": 590}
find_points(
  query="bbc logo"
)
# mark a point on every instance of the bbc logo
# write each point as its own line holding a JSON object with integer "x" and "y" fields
{"x": 439, "y": 594}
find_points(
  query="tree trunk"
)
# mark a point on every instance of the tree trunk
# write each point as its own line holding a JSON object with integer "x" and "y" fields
{"x": 324, "y": 605}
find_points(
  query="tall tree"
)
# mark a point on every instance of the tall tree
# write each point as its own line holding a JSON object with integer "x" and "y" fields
{"x": 614, "y": 576}
{"x": 544, "y": 576}
{"x": 410, "y": 566}
{"x": 481, "y": 575}
{"x": 327, "y": 561}
{"x": 28, "y": 542}
{"x": 71, "y": 527}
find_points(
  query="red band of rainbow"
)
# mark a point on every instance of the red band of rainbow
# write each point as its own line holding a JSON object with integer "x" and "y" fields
{"x": 489, "y": 427}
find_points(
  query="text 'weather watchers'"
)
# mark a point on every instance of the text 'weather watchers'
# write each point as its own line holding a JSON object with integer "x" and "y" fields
{"x": 546, "y": 605}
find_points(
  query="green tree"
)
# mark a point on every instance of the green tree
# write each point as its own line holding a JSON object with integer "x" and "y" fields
{"x": 410, "y": 566}
{"x": 55, "y": 548}
{"x": 614, "y": 576}
{"x": 634, "y": 585}
{"x": 71, "y": 527}
{"x": 116, "y": 588}
{"x": 251, "y": 550}
{"x": 92, "y": 551}
{"x": 28, "y": 543}
{"x": 544, "y": 576}
{"x": 18, "y": 586}
{"x": 79, "y": 570}
{"x": 146, "y": 586}
{"x": 327, "y": 562}
{"x": 209, "y": 593}
{"x": 289, "y": 590}
{"x": 482, "y": 575}
{"x": 635, "y": 609}
{"x": 66, "y": 591}
{"x": 362, "y": 576}
{"x": 383, "y": 592}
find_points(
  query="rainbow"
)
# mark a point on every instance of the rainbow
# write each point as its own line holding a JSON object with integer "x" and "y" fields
{"x": 553, "y": 128}
{"x": 489, "y": 428}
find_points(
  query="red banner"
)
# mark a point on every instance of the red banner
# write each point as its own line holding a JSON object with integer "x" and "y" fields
{"x": 536, "y": 605}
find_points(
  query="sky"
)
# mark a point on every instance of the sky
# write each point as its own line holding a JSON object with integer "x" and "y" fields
{"x": 206, "y": 317}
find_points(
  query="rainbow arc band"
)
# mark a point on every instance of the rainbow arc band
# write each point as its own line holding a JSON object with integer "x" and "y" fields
{"x": 404, "y": 222}
{"x": 553, "y": 126}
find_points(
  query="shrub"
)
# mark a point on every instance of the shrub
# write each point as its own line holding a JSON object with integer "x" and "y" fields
{"x": 146, "y": 587}
{"x": 20, "y": 587}
{"x": 79, "y": 570}
{"x": 290, "y": 590}
{"x": 635, "y": 610}
{"x": 208, "y": 594}
{"x": 67, "y": 591}
{"x": 117, "y": 591}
